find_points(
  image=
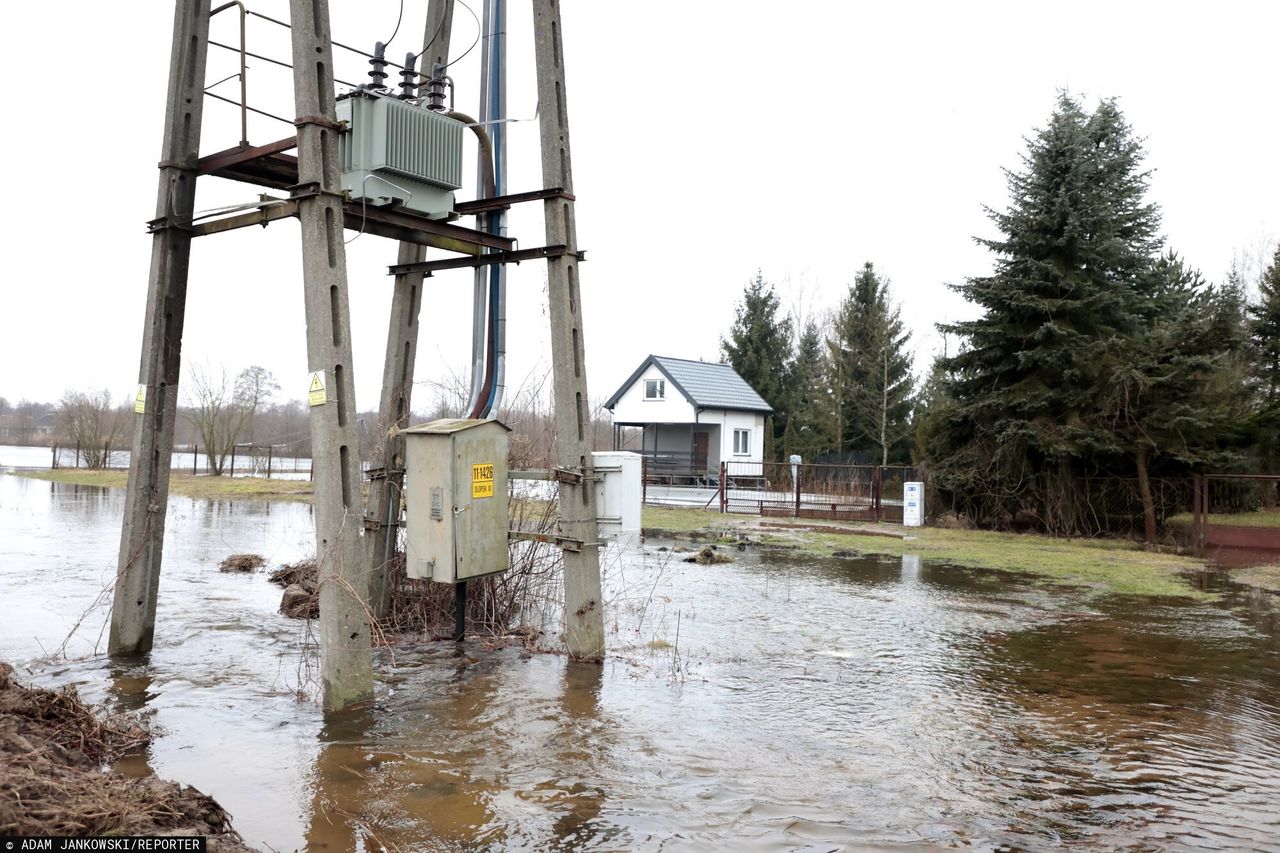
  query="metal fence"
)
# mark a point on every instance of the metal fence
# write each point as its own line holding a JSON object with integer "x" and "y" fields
{"x": 846, "y": 492}
{"x": 245, "y": 460}
{"x": 807, "y": 490}
{"x": 1219, "y": 496}
{"x": 1112, "y": 506}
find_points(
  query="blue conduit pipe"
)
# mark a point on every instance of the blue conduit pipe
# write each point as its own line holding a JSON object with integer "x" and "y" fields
{"x": 490, "y": 303}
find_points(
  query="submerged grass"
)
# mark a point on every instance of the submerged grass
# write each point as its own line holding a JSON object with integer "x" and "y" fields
{"x": 1263, "y": 577}
{"x": 1104, "y": 566}
{"x": 203, "y": 486}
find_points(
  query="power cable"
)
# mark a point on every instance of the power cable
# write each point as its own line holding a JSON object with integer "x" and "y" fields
{"x": 479, "y": 34}
{"x": 399, "y": 18}
{"x": 432, "y": 40}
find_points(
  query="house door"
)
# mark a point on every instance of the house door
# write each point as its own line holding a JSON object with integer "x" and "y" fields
{"x": 701, "y": 444}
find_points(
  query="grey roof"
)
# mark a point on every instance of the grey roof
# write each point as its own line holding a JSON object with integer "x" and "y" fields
{"x": 708, "y": 386}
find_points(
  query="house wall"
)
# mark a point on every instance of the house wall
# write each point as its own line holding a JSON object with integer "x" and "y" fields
{"x": 633, "y": 408}
{"x": 672, "y": 437}
{"x": 728, "y": 422}
{"x": 714, "y": 443}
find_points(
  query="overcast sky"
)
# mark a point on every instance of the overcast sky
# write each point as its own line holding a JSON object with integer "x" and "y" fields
{"x": 709, "y": 139}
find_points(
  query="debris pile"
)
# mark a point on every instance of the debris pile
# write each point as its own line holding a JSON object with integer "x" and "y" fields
{"x": 709, "y": 556}
{"x": 51, "y": 747}
{"x": 242, "y": 563}
{"x": 301, "y": 582}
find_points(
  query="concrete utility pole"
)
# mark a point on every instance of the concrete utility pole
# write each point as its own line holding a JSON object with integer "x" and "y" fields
{"x": 133, "y": 613}
{"x": 397, "y": 373}
{"x": 583, "y": 609}
{"x": 346, "y": 667}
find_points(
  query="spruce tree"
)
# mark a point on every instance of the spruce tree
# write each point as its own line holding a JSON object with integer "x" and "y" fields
{"x": 758, "y": 347}
{"x": 809, "y": 429}
{"x": 1174, "y": 394}
{"x": 873, "y": 366}
{"x": 1072, "y": 273}
{"x": 1264, "y": 336}
{"x": 1264, "y": 333}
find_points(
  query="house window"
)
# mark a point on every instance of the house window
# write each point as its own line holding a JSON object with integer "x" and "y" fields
{"x": 742, "y": 441}
{"x": 655, "y": 389}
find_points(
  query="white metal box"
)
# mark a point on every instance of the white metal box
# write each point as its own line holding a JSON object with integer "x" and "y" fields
{"x": 456, "y": 499}
{"x": 618, "y": 492}
{"x": 913, "y": 504}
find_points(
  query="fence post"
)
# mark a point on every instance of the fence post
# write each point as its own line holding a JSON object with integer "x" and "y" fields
{"x": 644, "y": 480}
{"x": 233, "y": 460}
{"x": 1196, "y": 520}
{"x": 195, "y": 458}
{"x": 724, "y": 487}
{"x": 796, "y": 477}
{"x": 77, "y": 454}
{"x": 1204, "y": 506}
{"x": 268, "y": 462}
{"x": 876, "y": 484}
{"x": 54, "y": 463}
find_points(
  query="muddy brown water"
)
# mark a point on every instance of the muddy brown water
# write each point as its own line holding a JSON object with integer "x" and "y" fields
{"x": 775, "y": 703}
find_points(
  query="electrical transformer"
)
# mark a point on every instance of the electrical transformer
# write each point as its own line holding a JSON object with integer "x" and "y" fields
{"x": 456, "y": 499}
{"x": 395, "y": 152}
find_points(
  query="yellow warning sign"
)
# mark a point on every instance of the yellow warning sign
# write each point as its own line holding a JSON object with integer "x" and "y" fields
{"x": 315, "y": 393}
{"x": 140, "y": 402}
{"x": 482, "y": 480}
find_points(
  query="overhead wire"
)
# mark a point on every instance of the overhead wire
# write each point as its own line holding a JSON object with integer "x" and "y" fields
{"x": 235, "y": 49}
{"x": 479, "y": 34}
{"x": 287, "y": 26}
{"x": 251, "y": 109}
{"x": 432, "y": 40}
{"x": 399, "y": 18}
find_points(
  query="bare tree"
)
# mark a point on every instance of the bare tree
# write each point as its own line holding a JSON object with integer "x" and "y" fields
{"x": 91, "y": 422}
{"x": 221, "y": 410}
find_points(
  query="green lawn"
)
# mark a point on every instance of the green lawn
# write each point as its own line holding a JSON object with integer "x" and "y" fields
{"x": 212, "y": 488}
{"x": 1102, "y": 565}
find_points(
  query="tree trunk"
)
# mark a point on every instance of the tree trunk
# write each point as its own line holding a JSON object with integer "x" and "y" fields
{"x": 1148, "y": 503}
{"x": 884, "y": 411}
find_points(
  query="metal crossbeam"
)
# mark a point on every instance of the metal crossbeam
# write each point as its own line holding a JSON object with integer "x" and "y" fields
{"x": 428, "y": 267}
{"x": 395, "y": 225}
{"x": 502, "y": 202}
{"x": 566, "y": 543}
{"x": 222, "y": 160}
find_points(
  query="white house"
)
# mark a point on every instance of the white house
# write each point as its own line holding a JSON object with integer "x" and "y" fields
{"x": 694, "y": 415}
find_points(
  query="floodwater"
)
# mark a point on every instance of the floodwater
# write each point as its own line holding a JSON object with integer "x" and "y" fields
{"x": 773, "y": 703}
{"x": 282, "y": 467}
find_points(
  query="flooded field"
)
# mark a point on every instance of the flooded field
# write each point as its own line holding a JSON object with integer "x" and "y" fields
{"x": 283, "y": 467}
{"x": 774, "y": 703}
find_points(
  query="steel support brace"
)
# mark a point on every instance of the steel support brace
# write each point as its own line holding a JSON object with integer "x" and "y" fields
{"x": 583, "y": 606}
{"x": 133, "y": 612}
{"x": 513, "y": 257}
{"x": 346, "y": 667}
{"x": 504, "y": 202}
{"x": 397, "y": 371}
